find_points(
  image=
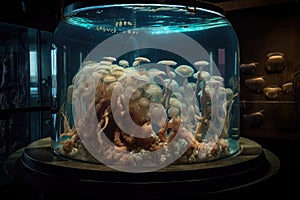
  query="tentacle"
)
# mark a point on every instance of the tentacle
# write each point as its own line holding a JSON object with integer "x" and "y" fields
{"x": 163, "y": 132}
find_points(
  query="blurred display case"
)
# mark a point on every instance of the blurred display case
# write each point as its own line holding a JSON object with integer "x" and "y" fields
{"x": 25, "y": 86}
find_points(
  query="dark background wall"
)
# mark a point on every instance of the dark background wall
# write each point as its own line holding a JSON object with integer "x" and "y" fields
{"x": 34, "y": 14}
{"x": 261, "y": 31}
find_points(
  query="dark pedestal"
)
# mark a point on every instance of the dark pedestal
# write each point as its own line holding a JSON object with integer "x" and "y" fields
{"x": 50, "y": 176}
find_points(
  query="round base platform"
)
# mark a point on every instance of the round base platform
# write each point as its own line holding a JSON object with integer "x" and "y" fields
{"x": 38, "y": 167}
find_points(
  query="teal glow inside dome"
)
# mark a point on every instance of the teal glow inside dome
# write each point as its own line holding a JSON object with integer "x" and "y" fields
{"x": 153, "y": 18}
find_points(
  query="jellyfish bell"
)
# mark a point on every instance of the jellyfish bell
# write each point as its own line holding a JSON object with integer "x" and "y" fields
{"x": 138, "y": 60}
{"x": 173, "y": 86}
{"x": 109, "y": 79}
{"x": 174, "y": 102}
{"x": 157, "y": 113}
{"x": 124, "y": 63}
{"x": 217, "y": 78}
{"x": 167, "y": 62}
{"x": 156, "y": 72}
{"x": 109, "y": 58}
{"x": 204, "y": 75}
{"x": 173, "y": 112}
{"x": 105, "y": 62}
{"x": 184, "y": 71}
{"x": 142, "y": 59}
{"x": 153, "y": 91}
{"x": 201, "y": 64}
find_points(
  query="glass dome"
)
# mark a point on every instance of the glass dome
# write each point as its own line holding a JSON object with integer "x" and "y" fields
{"x": 141, "y": 86}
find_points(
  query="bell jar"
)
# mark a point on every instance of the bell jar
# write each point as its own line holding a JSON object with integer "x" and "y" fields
{"x": 141, "y": 86}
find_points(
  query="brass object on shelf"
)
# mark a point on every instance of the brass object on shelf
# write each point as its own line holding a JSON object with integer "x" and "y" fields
{"x": 287, "y": 87}
{"x": 255, "y": 119}
{"x": 248, "y": 68}
{"x": 275, "y": 62}
{"x": 255, "y": 84}
{"x": 272, "y": 91}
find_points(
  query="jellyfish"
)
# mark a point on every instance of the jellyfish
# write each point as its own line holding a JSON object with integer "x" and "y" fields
{"x": 173, "y": 86}
{"x": 105, "y": 62}
{"x": 154, "y": 72}
{"x": 167, "y": 63}
{"x": 157, "y": 114}
{"x": 201, "y": 75}
{"x": 173, "y": 112}
{"x": 138, "y": 60}
{"x": 205, "y": 76}
{"x": 153, "y": 92}
{"x": 174, "y": 102}
{"x": 109, "y": 58}
{"x": 124, "y": 63}
{"x": 201, "y": 64}
{"x": 109, "y": 79}
{"x": 184, "y": 71}
{"x": 117, "y": 72}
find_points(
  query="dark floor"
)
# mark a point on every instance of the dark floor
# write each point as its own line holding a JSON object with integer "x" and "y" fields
{"x": 282, "y": 183}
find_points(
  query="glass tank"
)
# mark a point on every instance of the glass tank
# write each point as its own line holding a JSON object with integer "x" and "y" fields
{"x": 143, "y": 86}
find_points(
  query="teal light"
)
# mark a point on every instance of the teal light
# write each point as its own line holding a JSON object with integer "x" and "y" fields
{"x": 168, "y": 29}
{"x": 79, "y": 21}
